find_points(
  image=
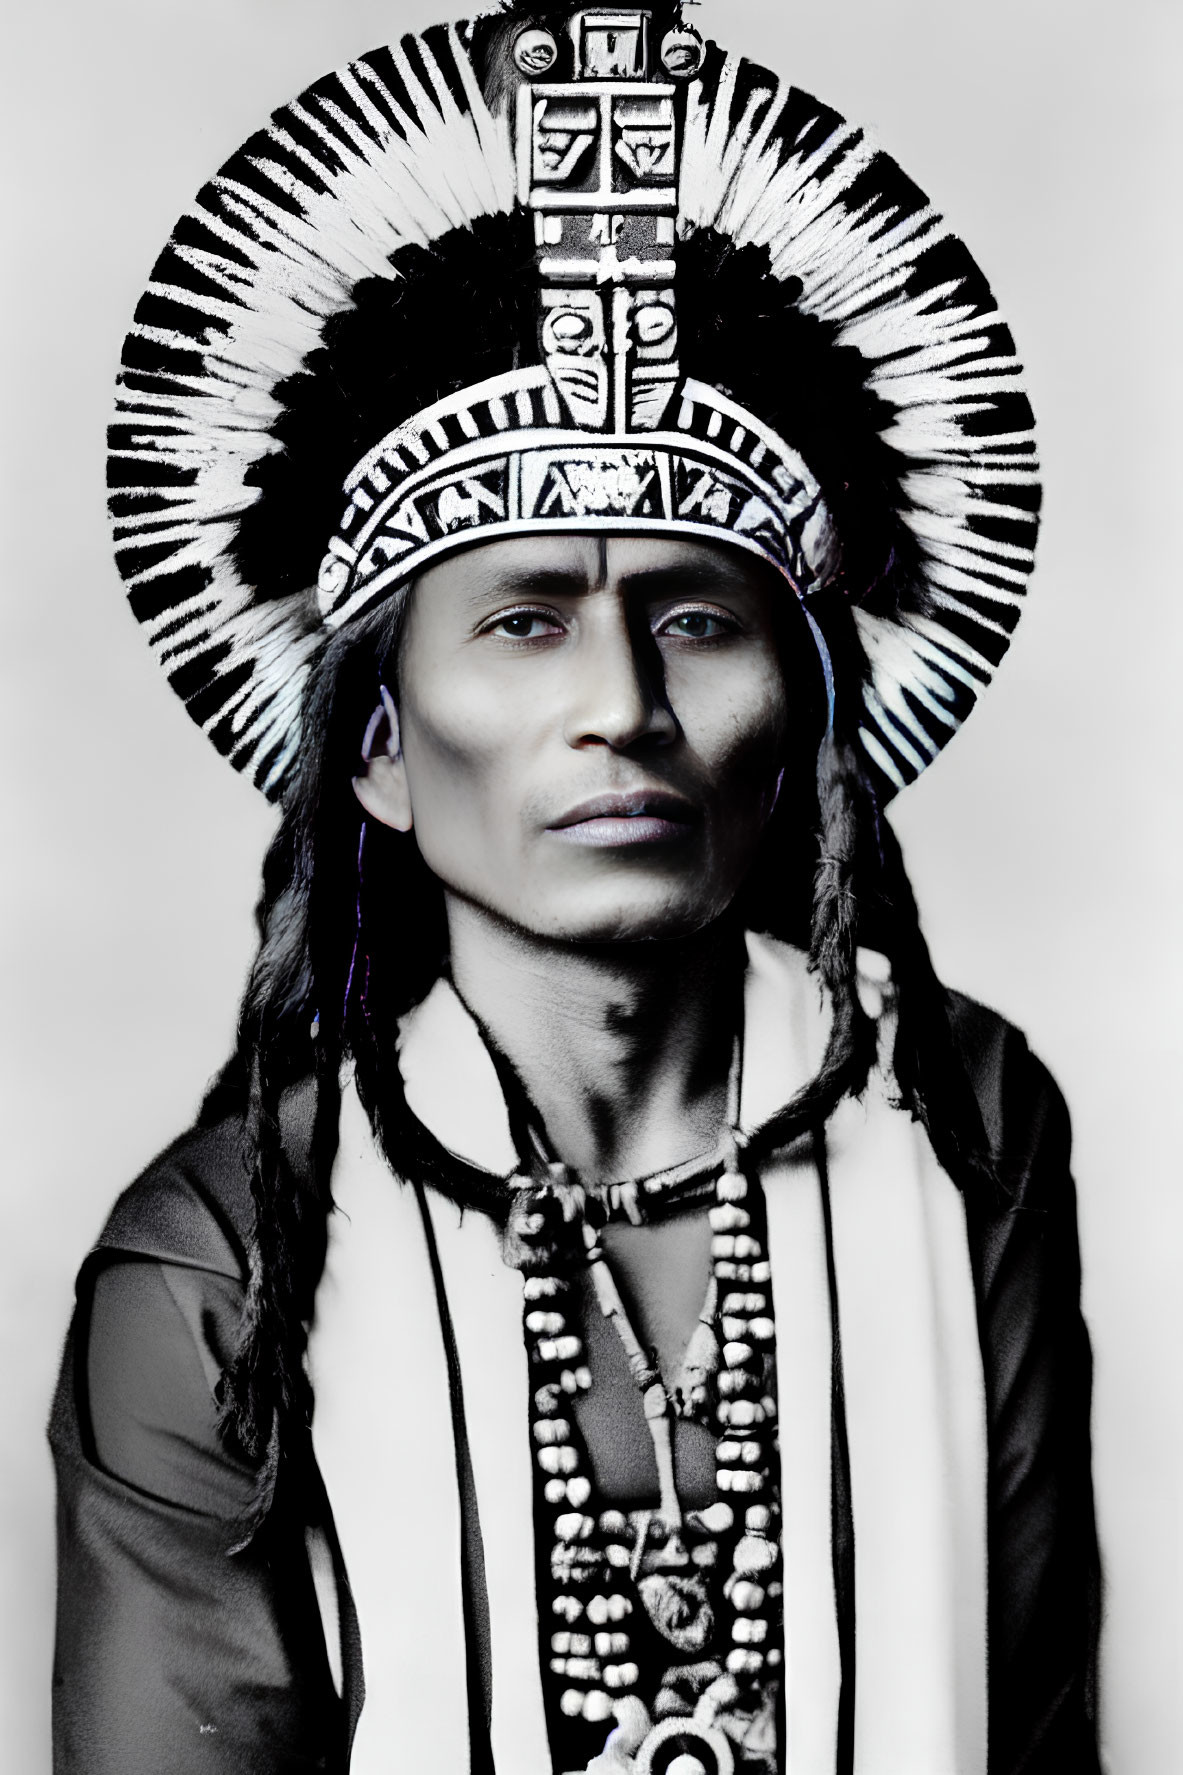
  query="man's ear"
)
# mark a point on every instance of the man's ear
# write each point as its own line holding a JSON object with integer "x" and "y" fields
{"x": 381, "y": 786}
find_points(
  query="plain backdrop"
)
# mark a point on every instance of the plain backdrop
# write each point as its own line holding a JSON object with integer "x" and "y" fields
{"x": 1044, "y": 845}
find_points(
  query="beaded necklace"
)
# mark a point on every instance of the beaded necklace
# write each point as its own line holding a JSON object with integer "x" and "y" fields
{"x": 661, "y": 1629}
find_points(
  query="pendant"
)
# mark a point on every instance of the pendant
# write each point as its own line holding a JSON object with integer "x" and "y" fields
{"x": 680, "y": 1609}
{"x": 673, "y": 1587}
{"x": 685, "y": 1747}
{"x": 672, "y": 1747}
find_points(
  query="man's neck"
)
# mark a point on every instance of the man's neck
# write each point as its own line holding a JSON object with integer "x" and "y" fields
{"x": 623, "y": 1049}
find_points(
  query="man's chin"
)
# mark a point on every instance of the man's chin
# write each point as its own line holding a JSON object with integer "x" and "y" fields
{"x": 621, "y": 920}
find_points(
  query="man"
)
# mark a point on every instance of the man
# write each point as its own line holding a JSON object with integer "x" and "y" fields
{"x": 688, "y": 503}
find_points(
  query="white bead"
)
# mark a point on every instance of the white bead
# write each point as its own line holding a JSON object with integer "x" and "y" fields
{"x": 685, "y": 1764}
{"x": 735, "y": 1352}
{"x": 597, "y": 1611}
{"x": 613, "y": 1523}
{"x": 744, "y": 1663}
{"x": 731, "y": 1187}
{"x": 757, "y": 1519}
{"x": 581, "y": 1644}
{"x": 560, "y": 1642}
{"x": 583, "y": 1379}
{"x": 723, "y": 1245}
{"x": 763, "y": 1330}
{"x": 749, "y": 1631}
{"x": 617, "y": 1555}
{"x": 540, "y": 1287}
{"x": 704, "y": 1554}
{"x": 619, "y": 1607}
{"x": 621, "y": 1676}
{"x": 732, "y": 1327}
{"x": 745, "y": 1247}
{"x": 568, "y": 1608}
{"x": 552, "y": 1430}
{"x": 573, "y": 1526}
{"x": 726, "y": 1217}
{"x": 772, "y": 1656}
{"x": 744, "y": 1413}
{"x": 746, "y": 1596}
{"x": 750, "y": 1453}
{"x": 578, "y": 1490}
{"x": 559, "y": 1349}
{"x": 584, "y": 1670}
{"x": 762, "y": 1272}
{"x": 743, "y": 1303}
{"x": 546, "y": 1399}
{"x": 726, "y": 1272}
{"x": 545, "y": 1324}
{"x": 753, "y": 1555}
{"x": 596, "y": 1706}
{"x": 727, "y": 1451}
{"x": 558, "y": 1460}
{"x": 555, "y": 1490}
{"x": 571, "y": 1703}
{"x": 717, "y": 1518}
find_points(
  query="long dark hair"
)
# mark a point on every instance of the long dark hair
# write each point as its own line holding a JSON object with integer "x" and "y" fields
{"x": 352, "y": 935}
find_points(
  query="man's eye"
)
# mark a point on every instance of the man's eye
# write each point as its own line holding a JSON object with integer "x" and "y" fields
{"x": 695, "y": 625}
{"x": 525, "y": 625}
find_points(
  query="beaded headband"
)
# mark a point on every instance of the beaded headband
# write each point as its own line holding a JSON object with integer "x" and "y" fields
{"x": 582, "y": 274}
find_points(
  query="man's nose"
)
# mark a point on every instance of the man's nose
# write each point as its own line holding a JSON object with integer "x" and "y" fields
{"x": 617, "y": 694}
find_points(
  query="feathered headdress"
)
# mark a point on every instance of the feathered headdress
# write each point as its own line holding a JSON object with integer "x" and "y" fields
{"x": 561, "y": 268}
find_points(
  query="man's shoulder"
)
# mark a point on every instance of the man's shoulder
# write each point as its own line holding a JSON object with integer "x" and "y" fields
{"x": 1022, "y": 1108}
{"x": 191, "y": 1206}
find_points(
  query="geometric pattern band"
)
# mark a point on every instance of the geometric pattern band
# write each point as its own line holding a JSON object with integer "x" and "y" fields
{"x": 500, "y": 459}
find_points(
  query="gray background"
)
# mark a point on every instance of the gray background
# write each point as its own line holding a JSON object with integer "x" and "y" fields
{"x": 1045, "y": 845}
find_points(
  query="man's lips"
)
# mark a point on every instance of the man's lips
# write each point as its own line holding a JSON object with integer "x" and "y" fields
{"x": 640, "y": 817}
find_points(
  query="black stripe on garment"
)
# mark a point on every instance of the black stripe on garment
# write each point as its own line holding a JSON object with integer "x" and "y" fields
{"x": 472, "y": 1551}
{"x": 841, "y": 1512}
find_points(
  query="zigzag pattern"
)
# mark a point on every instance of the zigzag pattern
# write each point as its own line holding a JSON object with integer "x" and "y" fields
{"x": 401, "y": 147}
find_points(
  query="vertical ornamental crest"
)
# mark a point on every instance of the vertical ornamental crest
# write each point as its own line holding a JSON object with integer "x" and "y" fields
{"x": 598, "y": 165}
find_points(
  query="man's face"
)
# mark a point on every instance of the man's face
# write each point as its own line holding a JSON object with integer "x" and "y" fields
{"x": 592, "y": 730}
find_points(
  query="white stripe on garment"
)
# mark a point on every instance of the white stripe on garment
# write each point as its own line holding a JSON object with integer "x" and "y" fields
{"x": 915, "y": 1413}
{"x": 486, "y": 1302}
{"x": 383, "y": 1439}
{"x": 801, "y": 1301}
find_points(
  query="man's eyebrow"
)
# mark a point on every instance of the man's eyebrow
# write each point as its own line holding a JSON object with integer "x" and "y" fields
{"x": 664, "y": 581}
{"x": 691, "y": 576}
{"x": 527, "y": 581}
